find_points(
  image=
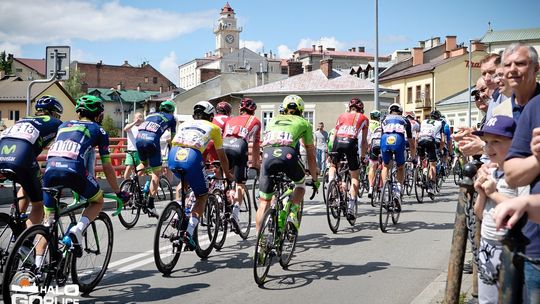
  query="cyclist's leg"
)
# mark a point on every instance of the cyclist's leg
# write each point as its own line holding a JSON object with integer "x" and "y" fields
{"x": 266, "y": 184}
{"x": 354, "y": 166}
{"x": 400, "y": 156}
{"x": 31, "y": 183}
{"x": 386, "y": 155}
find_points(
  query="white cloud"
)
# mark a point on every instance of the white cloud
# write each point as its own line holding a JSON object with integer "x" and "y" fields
{"x": 256, "y": 46}
{"x": 80, "y": 19}
{"x": 169, "y": 67}
{"x": 284, "y": 52}
{"x": 324, "y": 41}
{"x": 11, "y": 48}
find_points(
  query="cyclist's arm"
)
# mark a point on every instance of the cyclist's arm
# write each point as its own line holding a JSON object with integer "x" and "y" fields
{"x": 224, "y": 163}
{"x": 111, "y": 176}
{"x": 256, "y": 147}
{"x": 364, "y": 143}
{"x": 312, "y": 161}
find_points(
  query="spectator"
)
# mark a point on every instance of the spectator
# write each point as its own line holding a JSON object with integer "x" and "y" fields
{"x": 322, "y": 138}
{"x": 488, "y": 69}
{"x": 132, "y": 130}
{"x": 502, "y": 105}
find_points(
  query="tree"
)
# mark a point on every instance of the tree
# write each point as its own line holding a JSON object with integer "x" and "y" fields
{"x": 73, "y": 84}
{"x": 6, "y": 63}
{"x": 108, "y": 126}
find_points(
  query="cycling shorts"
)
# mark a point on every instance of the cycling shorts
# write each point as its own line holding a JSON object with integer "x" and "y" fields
{"x": 275, "y": 160}
{"x": 375, "y": 150}
{"x": 349, "y": 148}
{"x": 70, "y": 174}
{"x": 189, "y": 162}
{"x": 393, "y": 144}
{"x": 149, "y": 152}
{"x": 237, "y": 154}
{"x": 426, "y": 145}
{"x": 18, "y": 156}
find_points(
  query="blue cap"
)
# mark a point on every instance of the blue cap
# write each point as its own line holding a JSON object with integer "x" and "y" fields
{"x": 498, "y": 125}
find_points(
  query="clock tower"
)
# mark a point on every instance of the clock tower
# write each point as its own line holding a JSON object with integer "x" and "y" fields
{"x": 227, "y": 34}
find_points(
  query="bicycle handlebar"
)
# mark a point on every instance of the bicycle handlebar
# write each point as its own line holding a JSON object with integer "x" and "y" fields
{"x": 315, "y": 190}
{"x": 119, "y": 203}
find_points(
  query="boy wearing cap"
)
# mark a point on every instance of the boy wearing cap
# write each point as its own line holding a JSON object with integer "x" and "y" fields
{"x": 492, "y": 189}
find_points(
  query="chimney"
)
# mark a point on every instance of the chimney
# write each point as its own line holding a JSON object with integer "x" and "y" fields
{"x": 120, "y": 86}
{"x": 295, "y": 68}
{"x": 450, "y": 43}
{"x": 353, "y": 49}
{"x": 418, "y": 56}
{"x": 435, "y": 41}
{"x": 361, "y": 49}
{"x": 320, "y": 48}
{"x": 313, "y": 45}
{"x": 326, "y": 67}
{"x": 421, "y": 44}
{"x": 477, "y": 46}
{"x": 126, "y": 62}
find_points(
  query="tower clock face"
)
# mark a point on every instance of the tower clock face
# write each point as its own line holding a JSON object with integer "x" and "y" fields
{"x": 229, "y": 38}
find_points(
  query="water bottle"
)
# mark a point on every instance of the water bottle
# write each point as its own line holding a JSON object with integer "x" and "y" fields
{"x": 146, "y": 188}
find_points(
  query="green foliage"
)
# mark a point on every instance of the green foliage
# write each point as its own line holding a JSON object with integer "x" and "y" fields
{"x": 6, "y": 63}
{"x": 108, "y": 125}
{"x": 73, "y": 84}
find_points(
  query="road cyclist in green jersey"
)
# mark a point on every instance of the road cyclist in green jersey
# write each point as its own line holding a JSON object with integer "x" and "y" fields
{"x": 280, "y": 145}
{"x": 374, "y": 146}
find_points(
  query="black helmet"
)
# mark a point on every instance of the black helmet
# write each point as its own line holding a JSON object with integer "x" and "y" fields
{"x": 435, "y": 114}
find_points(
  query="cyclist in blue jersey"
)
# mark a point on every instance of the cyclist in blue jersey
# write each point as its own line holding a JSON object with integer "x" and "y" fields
{"x": 149, "y": 148}
{"x": 448, "y": 149}
{"x": 66, "y": 166}
{"x": 20, "y": 145}
{"x": 396, "y": 129}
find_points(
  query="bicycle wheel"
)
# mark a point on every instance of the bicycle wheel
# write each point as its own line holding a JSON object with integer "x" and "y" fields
{"x": 20, "y": 268}
{"x": 164, "y": 192}
{"x": 167, "y": 240}
{"x": 288, "y": 244}
{"x": 8, "y": 235}
{"x": 396, "y": 209}
{"x": 376, "y": 188}
{"x": 457, "y": 174}
{"x": 223, "y": 222}
{"x": 132, "y": 209}
{"x": 362, "y": 178}
{"x": 385, "y": 209}
{"x": 264, "y": 248}
{"x": 255, "y": 193}
{"x": 88, "y": 270}
{"x": 419, "y": 187}
{"x": 324, "y": 185}
{"x": 211, "y": 219}
{"x": 244, "y": 217}
{"x": 409, "y": 179}
{"x": 333, "y": 206}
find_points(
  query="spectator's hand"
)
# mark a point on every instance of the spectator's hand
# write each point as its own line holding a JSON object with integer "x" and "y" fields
{"x": 489, "y": 186}
{"x": 462, "y": 132}
{"x": 124, "y": 196}
{"x": 473, "y": 145}
{"x": 508, "y": 213}
{"x": 478, "y": 184}
{"x": 535, "y": 143}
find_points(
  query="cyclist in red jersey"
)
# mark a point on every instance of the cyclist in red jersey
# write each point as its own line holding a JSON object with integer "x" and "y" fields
{"x": 223, "y": 110}
{"x": 239, "y": 131}
{"x": 351, "y": 130}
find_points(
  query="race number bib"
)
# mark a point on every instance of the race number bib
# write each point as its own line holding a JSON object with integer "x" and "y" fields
{"x": 394, "y": 128}
{"x": 281, "y": 138}
{"x": 427, "y": 131}
{"x": 347, "y": 131}
{"x": 23, "y": 130}
{"x": 149, "y": 126}
{"x": 65, "y": 148}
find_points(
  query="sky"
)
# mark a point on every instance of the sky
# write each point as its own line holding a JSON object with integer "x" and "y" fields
{"x": 168, "y": 33}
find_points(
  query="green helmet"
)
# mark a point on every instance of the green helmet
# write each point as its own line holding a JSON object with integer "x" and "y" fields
{"x": 293, "y": 102}
{"x": 375, "y": 114}
{"x": 167, "y": 106}
{"x": 89, "y": 104}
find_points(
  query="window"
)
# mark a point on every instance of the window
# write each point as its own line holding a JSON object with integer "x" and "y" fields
{"x": 145, "y": 79}
{"x": 154, "y": 80}
{"x": 266, "y": 117}
{"x": 418, "y": 92}
{"x": 427, "y": 92}
{"x": 398, "y": 96}
{"x": 18, "y": 70}
{"x": 310, "y": 116}
{"x": 13, "y": 115}
{"x": 409, "y": 95}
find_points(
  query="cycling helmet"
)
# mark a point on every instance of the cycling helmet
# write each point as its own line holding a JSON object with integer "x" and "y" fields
{"x": 50, "y": 104}
{"x": 224, "y": 108}
{"x": 435, "y": 114}
{"x": 395, "y": 107}
{"x": 167, "y": 106}
{"x": 204, "y": 107}
{"x": 375, "y": 114}
{"x": 357, "y": 103}
{"x": 293, "y": 102}
{"x": 248, "y": 105}
{"x": 89, "y": 104}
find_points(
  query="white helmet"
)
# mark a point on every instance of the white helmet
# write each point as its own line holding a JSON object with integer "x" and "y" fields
{"x": 395, "y": 107}
{"x": 205, "y": 107}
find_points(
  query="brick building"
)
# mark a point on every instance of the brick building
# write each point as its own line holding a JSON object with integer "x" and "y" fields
{"x": 142, "y": 78}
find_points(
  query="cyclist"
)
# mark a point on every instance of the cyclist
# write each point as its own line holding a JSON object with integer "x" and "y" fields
{"x": 239, "y": 131}
{"x": 66, "y": 166}
{"x": 149, "y": 148}
{"x": 223, "y": 113}
{"x": 374, "y": 141}
{"x": 395, "y": 130}
{"x": 351, "y": 130}
{"x": 186, "y": 154}
{"x": 281, "y": 154}
{"x": 448, "y": 148}
{"x": 20, "y": 145}
{"x": 430, "y": 129}
{"x": 132, "y": 130}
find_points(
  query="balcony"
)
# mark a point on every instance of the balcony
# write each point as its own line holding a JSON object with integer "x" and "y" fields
{"x": 422, "y": 104}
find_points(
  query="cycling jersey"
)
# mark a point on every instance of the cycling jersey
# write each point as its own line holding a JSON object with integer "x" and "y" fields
{"x": 374, "y": 139}
{"x": 20, "y": 144}
{"x": 431, "y": 128}
{"x": 186, "y": 154}
{"x": 395, "y": 129}
{"x": 66, "y": 158}
{"x": 246, "y": 127}
{"x": 350, "y": 125}
{"x": 210, "y": 153}
{"x": 287, "y": 130}
{"x": 150, "y": 132}
{"x": 415, "y": 128}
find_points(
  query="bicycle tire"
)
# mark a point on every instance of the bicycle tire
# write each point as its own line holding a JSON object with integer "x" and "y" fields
{"x": 223, "y": 222}
{"x": 288, "y": 244}
{"x": 376, "y": 188}
{"x": 385, "y": 208}
{"x": 419, "y": 188}
{"x": 362, "y": 176}
{"x": 132, "y": 209}
{"x": 409, "y": 179}
{"x": 168, "y": 237}
{"x": 457, "y": 174}
{"x": 255, "y": 192}
{"x": 99, "y": 230}
{"x": 245, "y": 217}
{"x": 211, "y": 218}
{"x": 396, "y": 212}
{"x": 333, "y": 206}
{"x": 20, "y": 263}
{"x": 164, "y": 191}
{"x": 8, "y": 236}
{"x": 265, "y": 244}
{"x": 324, "y": 186}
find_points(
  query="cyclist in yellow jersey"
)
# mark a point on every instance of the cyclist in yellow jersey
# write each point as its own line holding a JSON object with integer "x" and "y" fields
{"x": 186, "y": 154}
